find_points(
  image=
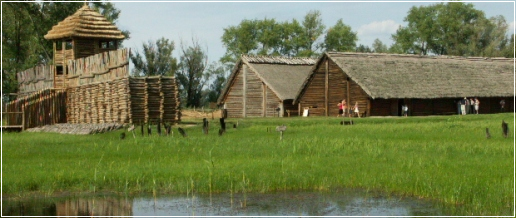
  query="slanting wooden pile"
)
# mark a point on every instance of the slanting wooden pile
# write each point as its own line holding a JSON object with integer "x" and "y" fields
{"x": 126, "y": 100}
{"x": 154, "y": 98}
{"x": 102, "y": 102}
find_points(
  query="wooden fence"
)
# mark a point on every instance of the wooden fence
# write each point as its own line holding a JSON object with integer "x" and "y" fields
{"x": 41, "y": 108}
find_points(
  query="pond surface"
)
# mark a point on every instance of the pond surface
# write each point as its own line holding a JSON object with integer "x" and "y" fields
{"x": 342, "y": 203}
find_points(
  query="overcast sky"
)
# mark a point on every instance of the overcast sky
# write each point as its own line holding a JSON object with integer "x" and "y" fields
{"x": 206, "y": 20}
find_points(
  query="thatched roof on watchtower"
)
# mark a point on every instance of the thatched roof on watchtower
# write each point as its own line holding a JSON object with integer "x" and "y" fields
{"x": 282, "y": 75}
{"x": 85, "y": 23}
{"x": 391, "y": 76}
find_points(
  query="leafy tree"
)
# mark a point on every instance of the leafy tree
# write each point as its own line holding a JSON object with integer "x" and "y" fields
{"x": 454, "y": 28}
{"x": 379, "y": 47}
{"x": 156, "y": 59}
{"x": 291, "y": 34}
{"x": 395, "y": 48}
{"x": 215, "y": 88}
{"x": 313, "y": 29}
{"x": 192, "y": 75}
{"x": 417, "y": 36}
{"x": 239, "y": 40}
{"x": 363, "y": 49}
{"x": 490, "y": 38}
{"x": 268, "y": 37}
{"x": 509, "y": 49}
{"x": 340, "y": 38}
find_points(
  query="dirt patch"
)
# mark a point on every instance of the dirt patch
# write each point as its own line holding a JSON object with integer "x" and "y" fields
{"x": 199, "y": 114}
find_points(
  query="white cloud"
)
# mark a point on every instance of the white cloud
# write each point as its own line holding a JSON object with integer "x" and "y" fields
{"x": 377, "y": 30}
{"x": 378, "y": 27}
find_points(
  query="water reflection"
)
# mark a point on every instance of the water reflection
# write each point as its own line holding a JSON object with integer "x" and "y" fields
{"x": 349, "y": 203}
{"x": 87, "y": 206}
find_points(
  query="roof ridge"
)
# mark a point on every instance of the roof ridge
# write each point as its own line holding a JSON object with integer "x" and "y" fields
{"x": 268, "y": 59}
{"x": 440, "y": 57}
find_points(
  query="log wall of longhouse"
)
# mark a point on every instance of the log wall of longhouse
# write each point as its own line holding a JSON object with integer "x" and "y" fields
{"x": 234, "y": 103}
{"x": 313, "y": 96}
{"x": 254, "y": 94}
{"x": 272, "y": 102}
{"x": 328, "y": 88}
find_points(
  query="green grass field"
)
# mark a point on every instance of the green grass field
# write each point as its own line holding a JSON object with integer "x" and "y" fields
{"x": 445, "y": 158}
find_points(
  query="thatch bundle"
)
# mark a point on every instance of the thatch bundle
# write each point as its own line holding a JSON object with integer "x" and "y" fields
{"x": 85, "y": 23}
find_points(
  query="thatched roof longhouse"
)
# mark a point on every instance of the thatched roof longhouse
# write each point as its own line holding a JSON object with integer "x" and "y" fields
{"x": 85, "y": 23}
{"x": 282, "y": 75}
{"x": 390, "y": 76}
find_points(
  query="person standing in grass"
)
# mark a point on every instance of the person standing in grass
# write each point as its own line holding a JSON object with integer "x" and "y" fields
{"x": 459, "y": 112}
{"x": 463, "y": 106}
{"x": 472, "y": 105}
{"x": 477, "y": 105}
{"x": 344, "y": 107}
{"x": 405, "y": 110}
{"x": 502, "y": 105}
{"x": 357, "y": 112}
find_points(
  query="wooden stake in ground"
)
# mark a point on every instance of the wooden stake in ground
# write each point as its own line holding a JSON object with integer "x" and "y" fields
{"x": 505, "y": 129}
{"x": 131, "y": 129}
{"x": 205, "y": 126}
{"x": 182, "y": 132}
{"x": 281, "y": 129}
{"x": 222, "y": 124}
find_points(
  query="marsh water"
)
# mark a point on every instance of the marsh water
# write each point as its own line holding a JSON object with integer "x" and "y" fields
{"x": 347, "y": 202}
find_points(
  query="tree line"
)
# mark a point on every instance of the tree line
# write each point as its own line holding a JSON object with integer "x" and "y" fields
{"x": 453, "y": 28}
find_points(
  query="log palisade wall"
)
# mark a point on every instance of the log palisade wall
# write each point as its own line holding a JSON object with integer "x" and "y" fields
{"x": 35, "y": 79}
{"x": 99, "y": 90}
{"x": 41, "y": 108}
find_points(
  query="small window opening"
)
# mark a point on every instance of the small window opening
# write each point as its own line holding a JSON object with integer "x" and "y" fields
{"x": 59, "y": 70}
{"x": 107, "y": 44}
{"x": 68, "y": 45}
{"x": 59, "y": 45}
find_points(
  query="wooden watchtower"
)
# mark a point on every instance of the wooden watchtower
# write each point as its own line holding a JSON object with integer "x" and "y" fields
{"x": 80, "y": 35}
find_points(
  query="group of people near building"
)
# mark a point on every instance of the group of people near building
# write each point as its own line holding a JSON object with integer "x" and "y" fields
{"x": 343, "y": 109}
{"x": 468, "y": 106}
